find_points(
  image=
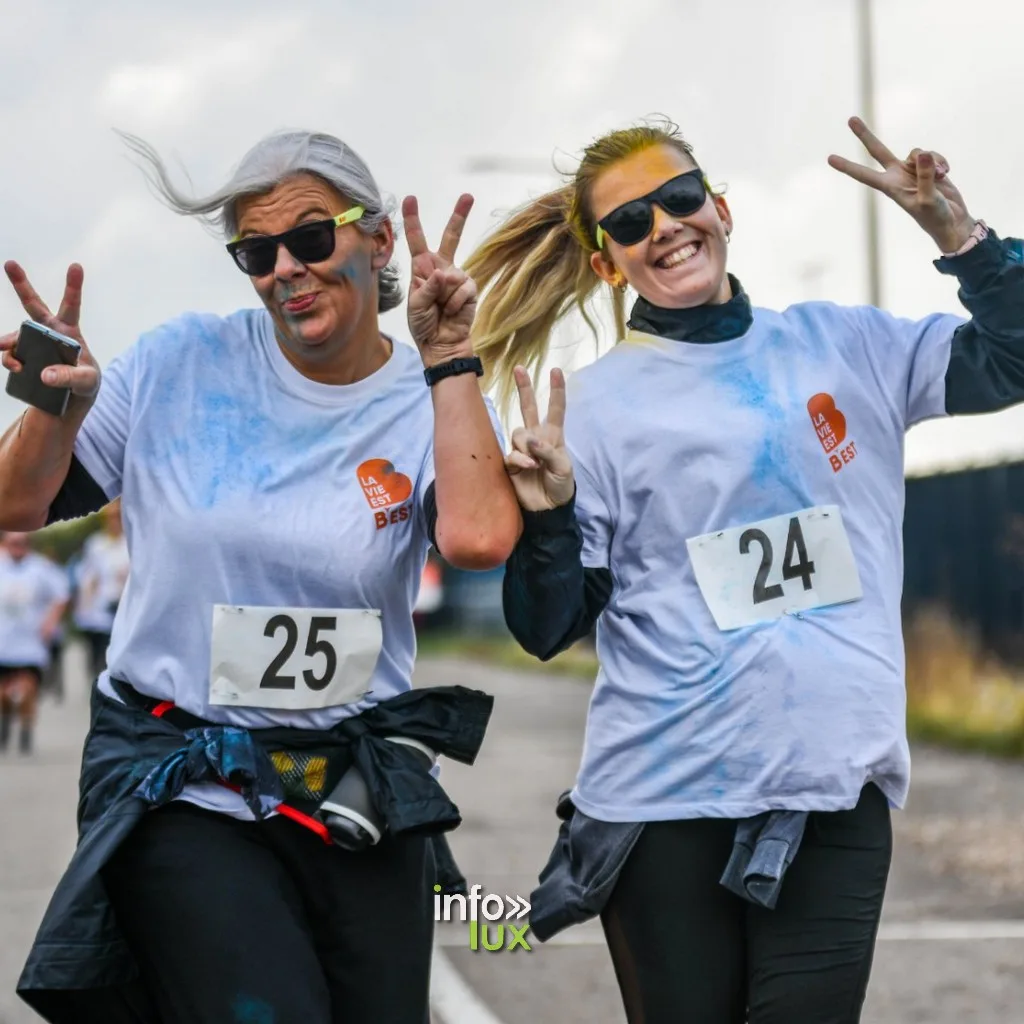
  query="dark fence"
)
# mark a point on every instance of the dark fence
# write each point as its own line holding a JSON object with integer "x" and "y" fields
{"x": 964, "y": 543}
{"x": 964, "y": 549}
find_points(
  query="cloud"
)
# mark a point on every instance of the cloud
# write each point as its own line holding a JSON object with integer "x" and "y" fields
{"x": 763, "y": 90}
{"x": 191, "y": 70}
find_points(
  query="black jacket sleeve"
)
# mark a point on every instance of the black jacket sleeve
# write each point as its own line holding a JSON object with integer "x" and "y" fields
{"x": 430, "y": 513}
{"x": 986, "y": 365}
{"x": 78, "y": 496}
{"x": 550, "y": 600}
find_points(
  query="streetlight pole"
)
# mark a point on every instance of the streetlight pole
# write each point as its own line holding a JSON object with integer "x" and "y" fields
{"x": 867, "y": 106}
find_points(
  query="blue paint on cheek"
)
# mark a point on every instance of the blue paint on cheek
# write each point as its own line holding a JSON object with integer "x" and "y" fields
{"x": 251, "y": 1010}
{"x": 355, "y": 269}
{"x": 349, "y": 271}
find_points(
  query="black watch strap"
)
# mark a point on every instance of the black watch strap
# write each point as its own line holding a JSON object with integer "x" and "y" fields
{"x": 453, "y": 368}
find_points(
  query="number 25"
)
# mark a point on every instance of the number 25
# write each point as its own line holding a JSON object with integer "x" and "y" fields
{"x": 803, "y": 569}
{"x": 272, "y": 680}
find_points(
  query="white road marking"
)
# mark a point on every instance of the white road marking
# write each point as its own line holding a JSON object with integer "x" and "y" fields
{"x": 452, "y": 1001}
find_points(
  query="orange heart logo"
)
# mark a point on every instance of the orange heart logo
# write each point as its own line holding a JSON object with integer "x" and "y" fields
{"x": 829, "y": 422}
{"x": 382, "y": 484}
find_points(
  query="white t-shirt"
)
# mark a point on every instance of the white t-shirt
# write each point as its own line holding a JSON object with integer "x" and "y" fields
{"x": 245, "y": 483}
{"x": 29, "y": 589}
{"x": 674, "y": 440}
{"x": 100, "y": 577}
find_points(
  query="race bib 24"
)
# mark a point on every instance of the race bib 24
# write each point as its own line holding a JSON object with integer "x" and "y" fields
{"x": 764, "y": 570}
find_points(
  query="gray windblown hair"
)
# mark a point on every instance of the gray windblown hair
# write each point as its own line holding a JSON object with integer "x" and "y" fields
{"x": 272, "y": 160}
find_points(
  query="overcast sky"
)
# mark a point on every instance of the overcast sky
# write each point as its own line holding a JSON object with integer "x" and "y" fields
{"x": 762, "y": 89}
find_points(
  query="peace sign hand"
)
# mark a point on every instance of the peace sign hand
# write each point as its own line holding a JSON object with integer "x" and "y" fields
{"x": 539, "y": 463}
{"x": 84, "y": 378}
{"x": 442, "y": 298}
{"x": 918, "y": 184}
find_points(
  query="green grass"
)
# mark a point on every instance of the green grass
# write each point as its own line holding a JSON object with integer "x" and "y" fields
{"x": 957, "y": 693}
{"x": 947, "y": 732}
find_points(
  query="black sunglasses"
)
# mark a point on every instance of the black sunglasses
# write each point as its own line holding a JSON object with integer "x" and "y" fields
{"x": 632, "y": 222}
{"x": 312, "y": 242}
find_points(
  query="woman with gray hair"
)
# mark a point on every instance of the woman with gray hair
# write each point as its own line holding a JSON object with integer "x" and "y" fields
{"x": 282, "y": 473}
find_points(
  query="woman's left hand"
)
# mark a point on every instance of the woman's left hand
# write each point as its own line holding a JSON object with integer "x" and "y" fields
{"x": 919, "y": 184}
{"x": 442, "y": 298}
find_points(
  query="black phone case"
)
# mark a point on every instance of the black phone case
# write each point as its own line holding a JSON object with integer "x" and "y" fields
{"x": 35, "y": 351}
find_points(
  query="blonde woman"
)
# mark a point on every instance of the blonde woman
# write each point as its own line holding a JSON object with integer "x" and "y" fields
{"x": 725, "y": 501}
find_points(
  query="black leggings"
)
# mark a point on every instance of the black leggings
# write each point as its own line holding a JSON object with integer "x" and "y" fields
{"x": 234, "y": 921}
{"x": 98, "y": 644}
{"x": 688, "y": 951}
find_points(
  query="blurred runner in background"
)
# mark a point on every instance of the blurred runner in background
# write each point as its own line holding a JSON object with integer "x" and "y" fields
{"x": 33, "y": 597}
{"x": 100, "y": 577}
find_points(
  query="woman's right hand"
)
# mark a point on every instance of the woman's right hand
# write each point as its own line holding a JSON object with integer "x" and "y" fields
{"x": 539, "y": 462}
{"x": 84, "y": 378}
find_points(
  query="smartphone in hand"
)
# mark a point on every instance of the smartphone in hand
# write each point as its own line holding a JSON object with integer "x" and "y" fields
{"x": 37, "y": 348}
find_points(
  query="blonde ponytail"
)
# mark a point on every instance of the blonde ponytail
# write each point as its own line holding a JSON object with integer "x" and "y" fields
{"x": 532, "y": 271}
{"x": 535, "y": 267}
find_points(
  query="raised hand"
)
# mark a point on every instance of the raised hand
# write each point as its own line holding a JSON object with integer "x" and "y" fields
{"x": 919, "y": 184}
{"x": 84, "y": 378}
{"x": 442, "y": 298}
{"x": 539, "y": 463}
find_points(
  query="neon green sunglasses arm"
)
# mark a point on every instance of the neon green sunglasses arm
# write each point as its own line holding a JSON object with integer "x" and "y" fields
{"x": 348, "y": 217}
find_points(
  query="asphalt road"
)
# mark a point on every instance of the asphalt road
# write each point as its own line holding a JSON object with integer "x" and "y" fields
{"x": 951, "y": 950}
{"x": 952, "y": 944}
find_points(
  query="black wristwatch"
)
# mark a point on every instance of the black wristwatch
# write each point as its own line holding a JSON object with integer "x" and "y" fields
{"x": 452, "y": 369}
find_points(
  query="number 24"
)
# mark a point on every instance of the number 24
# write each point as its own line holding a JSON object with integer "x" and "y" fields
{"x": 802, "y": 569}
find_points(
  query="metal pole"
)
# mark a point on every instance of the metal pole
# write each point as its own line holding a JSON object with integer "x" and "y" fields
{"x": 867, "y": 107}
